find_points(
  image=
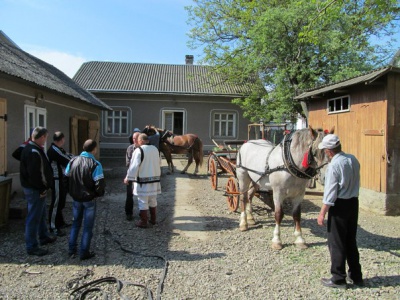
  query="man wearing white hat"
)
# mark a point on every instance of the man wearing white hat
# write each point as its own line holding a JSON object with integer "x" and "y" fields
{"x": 342, "y": 184}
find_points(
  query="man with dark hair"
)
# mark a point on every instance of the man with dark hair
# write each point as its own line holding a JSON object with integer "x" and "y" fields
{"x": 85, "y": 184}
{"x": 59, "y": 159}
{"x": 36, "y": 179}
{"x": 129, "y": 191}
{"x": 342, "y": 185}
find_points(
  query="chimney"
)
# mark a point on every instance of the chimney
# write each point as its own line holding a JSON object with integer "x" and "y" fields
{"x": 189, "y": 59}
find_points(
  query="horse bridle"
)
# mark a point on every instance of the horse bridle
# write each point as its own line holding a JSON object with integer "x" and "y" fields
{"x": 292, "y": 168}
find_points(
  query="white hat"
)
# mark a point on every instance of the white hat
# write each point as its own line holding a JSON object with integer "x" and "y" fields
{"x": 330, "y": 141}
{"x": 136, "y": 130}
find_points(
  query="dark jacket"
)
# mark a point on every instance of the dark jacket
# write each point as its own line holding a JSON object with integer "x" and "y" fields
{"x": 86, "y": 178}
{"x": 59, "y": 160}
{"x": 35, "y": 169}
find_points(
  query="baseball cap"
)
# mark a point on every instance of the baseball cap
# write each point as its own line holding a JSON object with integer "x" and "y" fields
{"x": 136, "y": 130}
{"x": 330, "y": 141}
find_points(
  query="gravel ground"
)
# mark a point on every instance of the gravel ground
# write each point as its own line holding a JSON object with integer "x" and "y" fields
{"x": 173, "y": 264}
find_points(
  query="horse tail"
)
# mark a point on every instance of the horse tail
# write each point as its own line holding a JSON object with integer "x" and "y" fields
{"x": 198, "y": 147}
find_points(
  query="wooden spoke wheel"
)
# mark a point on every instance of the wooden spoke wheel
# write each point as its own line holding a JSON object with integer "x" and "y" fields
{"x": 212, "y": 169}
{"x": 232, "y": 191}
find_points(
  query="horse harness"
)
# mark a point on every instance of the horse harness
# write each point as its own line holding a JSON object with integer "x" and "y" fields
{"x": 289, "y": 165}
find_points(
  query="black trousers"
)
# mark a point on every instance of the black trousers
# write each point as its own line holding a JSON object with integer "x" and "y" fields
{"x": 129, "y": 199}
{"x": 58, "y": 198}
{"x": 342, "y": 243}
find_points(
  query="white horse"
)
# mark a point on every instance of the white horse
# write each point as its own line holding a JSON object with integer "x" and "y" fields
{"x": 285, "y": 169}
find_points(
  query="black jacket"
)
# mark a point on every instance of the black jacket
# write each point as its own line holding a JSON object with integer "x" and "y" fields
{"x": 59, "y": 160}
{"x": 35, "y": 169}
{"x": 86, "y": 178}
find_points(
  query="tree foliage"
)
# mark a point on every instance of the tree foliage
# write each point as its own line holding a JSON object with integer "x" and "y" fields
{"x": 291, "y": 45}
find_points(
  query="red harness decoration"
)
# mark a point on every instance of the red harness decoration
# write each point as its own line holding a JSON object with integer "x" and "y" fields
{"x": 305, "y": 160}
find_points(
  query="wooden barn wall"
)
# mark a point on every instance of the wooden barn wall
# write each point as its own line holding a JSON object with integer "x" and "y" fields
{"x": 362, "y": 130}
{"x": 393, "y": 129}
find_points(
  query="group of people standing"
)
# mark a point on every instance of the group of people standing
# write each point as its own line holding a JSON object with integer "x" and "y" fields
{"x": 57, "y": 172}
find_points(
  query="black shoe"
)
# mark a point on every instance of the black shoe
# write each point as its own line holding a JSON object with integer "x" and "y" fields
{"x": 37, "y": 252}
{"x": 48, "y": 240}
{"x": 72, "y": 253}
{"x": 129, "y": 217}
{"x": 329, "y": 283}
{"x": 58, "y": 232}
{"x": 87, "y": 255}
{"x": 359, "y": 283}
{"x": 65, "y": 225}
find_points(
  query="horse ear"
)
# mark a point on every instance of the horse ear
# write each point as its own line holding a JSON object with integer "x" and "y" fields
{"x": 313, "y": 133}
{"x": 332, "y": 130}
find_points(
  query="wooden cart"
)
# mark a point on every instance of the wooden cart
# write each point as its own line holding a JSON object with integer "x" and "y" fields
{"x": 224, "y": 162}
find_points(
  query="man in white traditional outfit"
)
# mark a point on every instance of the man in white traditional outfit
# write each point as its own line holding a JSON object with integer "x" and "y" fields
{"x": 145, "y": 171}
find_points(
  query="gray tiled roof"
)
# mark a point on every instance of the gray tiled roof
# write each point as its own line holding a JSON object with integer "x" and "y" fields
{"x": 20, "y": 64}
{"x": 365, "y": 78}
{"x": 154, "y": 78}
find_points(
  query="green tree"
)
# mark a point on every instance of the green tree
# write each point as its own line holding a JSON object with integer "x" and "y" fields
{"x": 290, "y": 45}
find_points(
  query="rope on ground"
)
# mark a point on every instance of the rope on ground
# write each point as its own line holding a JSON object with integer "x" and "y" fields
{"x": 89, "y": 287}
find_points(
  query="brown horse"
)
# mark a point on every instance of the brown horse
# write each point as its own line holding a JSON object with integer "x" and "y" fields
{"x": 170, "y": 143}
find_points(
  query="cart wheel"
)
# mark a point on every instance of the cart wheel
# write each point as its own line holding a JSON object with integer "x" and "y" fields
{"x": 233, "y": 197}
{"x": 212, "y": 169}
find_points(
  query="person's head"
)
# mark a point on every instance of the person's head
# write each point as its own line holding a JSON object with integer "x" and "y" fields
{"x": 59, "y": 138}
{"x": 131, "y": 137}
{"x": 331, "y": 145}
{"x": 135, "y": 139}
{"x": 90, "y": 146}
{"x": 39, "y": 135}
{"x": 143, "y": 139}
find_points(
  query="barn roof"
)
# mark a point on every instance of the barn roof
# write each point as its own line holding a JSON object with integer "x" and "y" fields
{"x": 20, "y": 64}
{"x": 155, "y": 79}
{"x": 366, "y": 78}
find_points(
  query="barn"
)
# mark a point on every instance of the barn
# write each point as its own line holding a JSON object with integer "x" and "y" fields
{"x": 365, "y": 111}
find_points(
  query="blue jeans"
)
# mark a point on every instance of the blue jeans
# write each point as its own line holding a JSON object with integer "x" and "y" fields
{"x": 36, "y": 219}
{"x": 85, "y": 211}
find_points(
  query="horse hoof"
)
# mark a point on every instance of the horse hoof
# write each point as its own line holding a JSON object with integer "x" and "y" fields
{"x": 251, "y": 222}
{"x": 243, "y": 227}
{"x": 277, "y": 246}
{"x": 301, "y": 246}
{"x": 183, "y": 172}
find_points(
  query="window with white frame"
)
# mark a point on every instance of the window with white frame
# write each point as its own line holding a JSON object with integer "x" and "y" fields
{"x": 224, "y": 124}
{"x": 34, "y": 116}
{"x": 116, "y": 121}
{"x": 340, "y": 104}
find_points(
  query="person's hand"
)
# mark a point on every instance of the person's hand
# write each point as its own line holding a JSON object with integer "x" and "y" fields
{"x": 43, "y": 194}
{"x": 320, "y": 220}
{"x": 126, "y": 181}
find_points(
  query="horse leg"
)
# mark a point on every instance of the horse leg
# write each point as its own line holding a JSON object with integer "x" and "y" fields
{"x": 276, "y": 240}
{"x": 190, "y": 160}
{"x": 245, "y": 207}
{"x": 299, "y": 242}
{"x": 249, "y": 206}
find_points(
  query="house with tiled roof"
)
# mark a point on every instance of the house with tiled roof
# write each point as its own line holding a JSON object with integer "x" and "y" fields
{"x": 183, "y": 98}
{"x": 35, "y": 93}
{"x": 365, "y": 111}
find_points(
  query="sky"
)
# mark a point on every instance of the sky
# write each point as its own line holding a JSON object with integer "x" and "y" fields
{"x": 67, "y": 33}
